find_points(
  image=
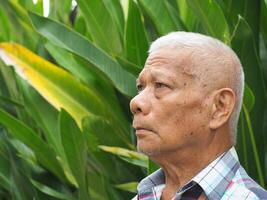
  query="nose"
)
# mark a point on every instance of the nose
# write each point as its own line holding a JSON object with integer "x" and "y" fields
{"x": 140, "y": 104}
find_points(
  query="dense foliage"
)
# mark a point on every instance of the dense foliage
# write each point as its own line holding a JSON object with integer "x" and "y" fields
{"x": 65, "y": 121}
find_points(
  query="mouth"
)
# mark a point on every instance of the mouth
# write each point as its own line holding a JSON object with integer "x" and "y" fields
{"x": 142, "y": 131}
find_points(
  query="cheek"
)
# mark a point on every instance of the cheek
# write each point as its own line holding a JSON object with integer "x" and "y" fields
{"x": 183, "y": 112}
{"x": 186, "y": 119}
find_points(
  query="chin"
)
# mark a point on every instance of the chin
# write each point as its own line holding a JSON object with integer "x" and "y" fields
{"x": 148, "y": 150}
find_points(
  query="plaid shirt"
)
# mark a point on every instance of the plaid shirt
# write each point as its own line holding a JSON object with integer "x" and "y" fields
{"x": 224, "y": 178}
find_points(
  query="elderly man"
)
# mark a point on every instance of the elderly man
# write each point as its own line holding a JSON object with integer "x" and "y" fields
{"x": 185, "y": 115}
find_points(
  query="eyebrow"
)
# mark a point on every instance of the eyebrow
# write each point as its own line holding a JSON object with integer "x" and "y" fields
{"x": 156, "y": 75}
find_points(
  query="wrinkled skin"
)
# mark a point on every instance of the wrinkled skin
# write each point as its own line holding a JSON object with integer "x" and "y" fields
{"x": 181, "y": 113}
{"x": 171, "y": 109}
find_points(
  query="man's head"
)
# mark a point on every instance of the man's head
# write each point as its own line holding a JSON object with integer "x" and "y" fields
{"x": 189, "y": 93}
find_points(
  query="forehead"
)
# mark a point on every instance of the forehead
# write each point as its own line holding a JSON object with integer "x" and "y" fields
{"x": 168, "y": 63}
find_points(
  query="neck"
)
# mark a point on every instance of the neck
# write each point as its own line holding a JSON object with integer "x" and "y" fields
{"x": 183, "y": 164}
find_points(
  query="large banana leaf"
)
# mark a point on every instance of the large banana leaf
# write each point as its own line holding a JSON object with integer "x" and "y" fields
{"x": 101, "y": 16}
{"x": 186, "y": 15}
{"x": 46, "y": 118}
{"x": 32, "y": 140}
{"x": 163, "y": 16}
{"x": 136, "y": 44}
{"x": 45, "y": 114}
{"x": 88, "y": 74}
{"x": 254, "y": 146}
{"x": 56, "y": 85}
{"x": 5, "y": 26}
{"x": 99, "y": 132}
{"x": 10, "y": 77}
{"x": 74, "y": 144}
{"x": 20, "y": 24}
{"x": 243, "y": 45}
{"x": 131, "y": 187}
{"x": 51, "y": 192}
{"x": 5, "y": 181}
{"x": 212, "y": 18}
{"x": 66, "y": 38}
{"x": 127, "y": 155}
{"x": 249, "y": 10}
{"x": 263, "y": 22}
{"x": 59, "y": 10}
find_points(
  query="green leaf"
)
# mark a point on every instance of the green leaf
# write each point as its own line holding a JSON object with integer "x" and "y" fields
{"x": 74, "y": 144}
{"x": 99, "y": 131}
{"x": 254, "y": 146}
{"x": 263, "y": 20}
{"x": 67, "y": 60}
{"x": 80, "y": 26}
{"x": 21, "y": 25}
{"x": 49, "y": 191}
{"x": 10, "y": 80}
{"x": 45, "y": 117}
{"x": 100, "y": 188}
{"x": 60, "y": 10}
{"x": 87, "y": 73}
{"x": 21, "y": 188}
{"x": 136, "y": 162}
{"x": 32, "y": 140}
{"x": 136, "y": 43}
{"x": 161, "y": 14}
{"x": 127, "y": 155}
{"x": 212, "y": 18}
{"x": 99, "y": 19}
{"x": 249, "y": 9}
{"x": 244, "y": 46}
{"x": 249, "y": 98}
{"x": 115, "y": 9}
{"x": 130, "y": 187}
{"x": 186, "y": 15}
{"x": 5, "y": 180}
{"x": 7, "y": 100}
{"x": 64, "y": 37}
{"x": 44, "y": 114}
{"x": 129, "y": 66}
{"x": 23, "y": 151}
{"x": 5, "y": 29}
{"x": 152, "y": 167}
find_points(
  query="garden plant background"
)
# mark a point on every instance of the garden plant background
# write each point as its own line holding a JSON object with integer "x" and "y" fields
{"x": 65, "y": 121}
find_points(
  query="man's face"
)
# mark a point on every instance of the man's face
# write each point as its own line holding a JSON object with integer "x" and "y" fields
{"x": 171, "y": 110}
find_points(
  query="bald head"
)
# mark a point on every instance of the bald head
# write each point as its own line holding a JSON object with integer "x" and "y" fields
{"x": 210, "y": 61}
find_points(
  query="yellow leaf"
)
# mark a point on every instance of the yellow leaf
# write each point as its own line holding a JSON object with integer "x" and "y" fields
{"x": 124, "y": 152}
{"x": 56, "y": 85}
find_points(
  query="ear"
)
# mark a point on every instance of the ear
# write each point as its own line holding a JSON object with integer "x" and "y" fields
{"x": 222, "y": 107}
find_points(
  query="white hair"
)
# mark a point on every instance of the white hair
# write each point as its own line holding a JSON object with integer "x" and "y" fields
{"x": 211, "y": 51}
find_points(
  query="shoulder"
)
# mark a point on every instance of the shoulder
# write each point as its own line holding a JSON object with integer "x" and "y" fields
{"x": 244, "y": 187}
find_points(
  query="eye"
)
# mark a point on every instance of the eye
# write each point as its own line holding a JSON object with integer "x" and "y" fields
{"x": 139, "y": 87}
{"x": 160, "y": 85}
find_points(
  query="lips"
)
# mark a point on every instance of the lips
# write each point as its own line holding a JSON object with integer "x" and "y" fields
{"x": 142, "y": 125}
{"x": 142, "y": 130}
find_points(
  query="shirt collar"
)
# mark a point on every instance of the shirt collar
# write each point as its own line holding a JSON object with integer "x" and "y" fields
{"x": 214, "y": 179}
